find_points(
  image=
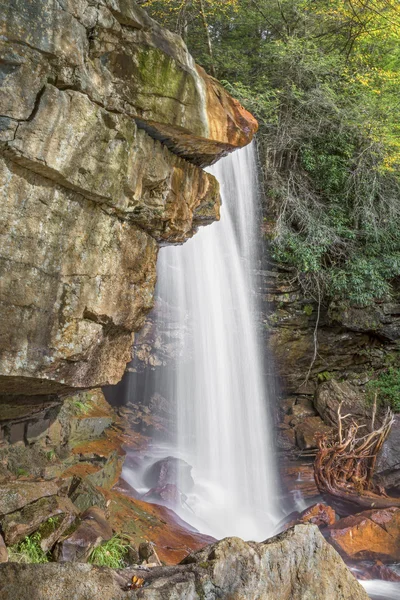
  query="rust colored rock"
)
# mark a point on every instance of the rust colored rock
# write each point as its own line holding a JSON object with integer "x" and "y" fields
{"x": 370, "y": 534}
{"x": 143, "y": 522}
{"x": 319, "y": 514}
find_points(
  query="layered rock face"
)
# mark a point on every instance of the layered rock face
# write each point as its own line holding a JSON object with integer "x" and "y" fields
{"x": 105, "y": 123}
{"x": 352, "y": 343}
{"x": 296, "y": 565}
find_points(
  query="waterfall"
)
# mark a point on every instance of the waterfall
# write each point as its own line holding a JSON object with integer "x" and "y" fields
{"x": 218, "y": 382}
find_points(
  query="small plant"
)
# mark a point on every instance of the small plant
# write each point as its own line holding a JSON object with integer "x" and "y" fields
{"x": 80, "y": 407}
{"x": 386, "y": 388}
{"x": 308, "y": 310}
{"x": 20, "y": 472}
{"x": 50, "y": 455}
{"x": 110, "y": 554}
{"x": 324, "y": 376}
{"x": 28, "y": 551}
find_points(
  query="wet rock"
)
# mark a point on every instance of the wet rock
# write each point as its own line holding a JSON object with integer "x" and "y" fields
{"x": 296, "y": 565}
{"x": 90, "y": 533}
{"x": 286, "y": 439}
{"x": 143, "y": 522}
{"x": 332, "y": 393}
{"x": 19, "y": 524}
{"x": 376, "y": 570}
{"x": 318, "y": 514}
{"x": 370, "y": 534}
{"x": 308, "y": 431}
{"x": 169, "y": 470}
{"x": 3, "y": 551}
{"x": 169, "y": 494}
{"x": 298, "y": 478}
{"x": 17, "y": 494}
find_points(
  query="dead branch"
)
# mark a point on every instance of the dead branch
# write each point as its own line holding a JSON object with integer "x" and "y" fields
{"x": 345, "y": 464}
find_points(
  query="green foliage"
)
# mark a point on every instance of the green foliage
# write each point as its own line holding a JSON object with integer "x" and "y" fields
{"x": 325, "y": 376}
{"x": 28, "y": 551}
{"x": 81, "y": 405}
{"x": 110, "y": 554}
{"x": 322, "y": 78}
{"x": 387, "y": 388}
{"x": 308, "y": 310}
{"x": 20, "y": 472}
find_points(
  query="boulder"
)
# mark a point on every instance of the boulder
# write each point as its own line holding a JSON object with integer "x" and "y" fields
{"x": 17, "y": 494}
{"x": 308, "y": 430}
{"x": 168, "y": 494}
{"x": 295, "y": 565}
{"x": 372, "y": 534}
{"x": 90, "y": 533}
{"x": 169, "y": 470}
{"x": 331, "y": 393}
{"x": 319, "y": 514}
{"x": 19, "y": 524}
{"x": 302, "y": 409}
{"x": 146, "y": 549}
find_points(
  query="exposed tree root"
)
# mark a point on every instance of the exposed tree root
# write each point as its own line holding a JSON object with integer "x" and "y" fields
{"x": 345, "y": 464}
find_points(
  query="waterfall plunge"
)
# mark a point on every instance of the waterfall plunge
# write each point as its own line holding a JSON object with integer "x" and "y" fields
{"x": 218, "y": 381}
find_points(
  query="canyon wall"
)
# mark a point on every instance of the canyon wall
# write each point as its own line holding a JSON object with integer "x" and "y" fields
{"x": 106, "y": 123}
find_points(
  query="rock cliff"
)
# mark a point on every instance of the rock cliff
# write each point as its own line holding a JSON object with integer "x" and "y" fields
{"x": 105, "y": 124}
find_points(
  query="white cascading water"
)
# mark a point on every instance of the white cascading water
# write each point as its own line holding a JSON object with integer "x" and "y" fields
{"x": 382, "y": 590}
{"x": 218, "y": 381}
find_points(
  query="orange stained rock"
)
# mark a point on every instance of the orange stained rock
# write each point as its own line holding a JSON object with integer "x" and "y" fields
{"x": 142, "y": 521}
{"x": 370, "y": 534}
{"x": 228, "y": 121}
